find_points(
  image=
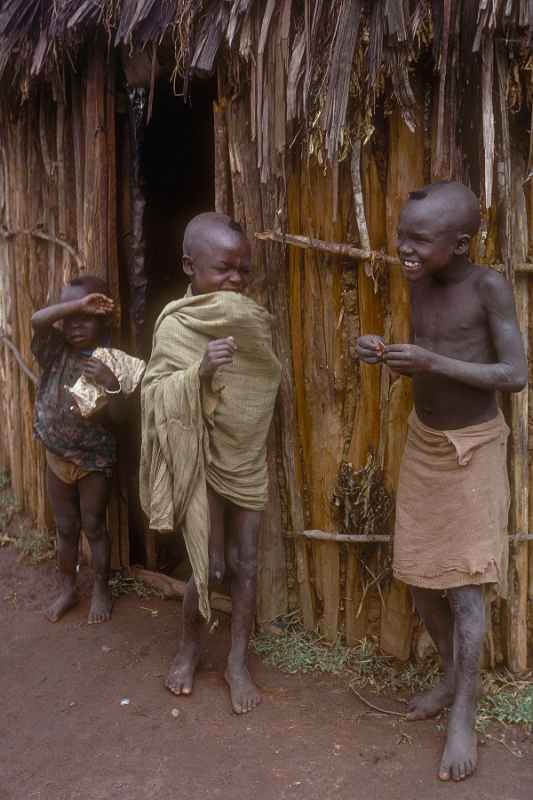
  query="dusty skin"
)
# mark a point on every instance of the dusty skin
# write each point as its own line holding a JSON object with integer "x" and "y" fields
{"x": 465, "y": 346}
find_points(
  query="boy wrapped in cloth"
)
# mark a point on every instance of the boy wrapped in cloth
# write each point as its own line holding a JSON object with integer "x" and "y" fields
{"x": 450, "y": 541}
{"x": 207, "y": 401}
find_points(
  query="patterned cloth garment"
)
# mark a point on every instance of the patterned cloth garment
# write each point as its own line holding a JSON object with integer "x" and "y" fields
{"x": 86, "y": 442}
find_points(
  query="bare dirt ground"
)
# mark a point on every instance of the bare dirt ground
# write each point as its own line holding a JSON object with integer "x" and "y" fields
{"x": 64, "y": 734}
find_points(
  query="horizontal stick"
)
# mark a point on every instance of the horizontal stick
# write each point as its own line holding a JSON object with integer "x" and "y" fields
{"x": 356, "y": 538}
{"x": 337, "y": 248}
{"x": 172, "y": 587}
{"x": 18, "y": 358}
{"x": 343, "y": 249}
{"x": 326, "y": 536}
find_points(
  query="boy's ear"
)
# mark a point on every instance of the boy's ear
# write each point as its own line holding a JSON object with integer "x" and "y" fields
{"x": 187, "y": 265}
{"x": 463, "y": 244}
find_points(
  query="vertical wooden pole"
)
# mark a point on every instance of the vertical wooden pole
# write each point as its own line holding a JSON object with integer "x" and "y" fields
{"x": 366, "y": 424}
{"x": 405, "y": 173}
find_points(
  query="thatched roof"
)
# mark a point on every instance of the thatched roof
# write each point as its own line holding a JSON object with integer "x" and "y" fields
{"x": 314, "y": 66}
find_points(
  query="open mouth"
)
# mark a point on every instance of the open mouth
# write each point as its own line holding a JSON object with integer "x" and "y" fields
{"x": 411, "y": 267}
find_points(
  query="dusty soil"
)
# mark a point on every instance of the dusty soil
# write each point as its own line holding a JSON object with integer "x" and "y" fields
{"x": 64, "y": 734}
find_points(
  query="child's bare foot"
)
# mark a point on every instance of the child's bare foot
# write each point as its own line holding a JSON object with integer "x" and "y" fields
{"x": 245, "y": 695}
{"x": 429, "y": 704}
{"x": 459, "y": 759}
{"x": 66, "y": 600}
{"x": 180, "y": 676}
{"x": 101, "y": 602}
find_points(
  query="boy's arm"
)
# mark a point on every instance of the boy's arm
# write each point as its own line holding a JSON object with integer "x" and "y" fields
{"x": 507, "y": 374}
{"x": 90, "y": 304}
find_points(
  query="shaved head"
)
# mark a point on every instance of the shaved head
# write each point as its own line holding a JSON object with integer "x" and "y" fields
{"x": 216, "y": 254}
{"x": 210, "y": 230}
{"x": 453, "y": 204}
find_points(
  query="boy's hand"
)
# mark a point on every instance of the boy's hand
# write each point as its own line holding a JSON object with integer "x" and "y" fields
{"x": 96, "y": 303}
{"x": 219, "y": 353}
{"x": 408, "y": 359}
{"x": 96, "y": 372}
{"x": 370, "y": 348}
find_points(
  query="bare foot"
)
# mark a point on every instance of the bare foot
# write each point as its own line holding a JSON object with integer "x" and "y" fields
{"x": 66, "y": 600}
{"x": 429, "y": 704}
{"x": 459, "y": 759}
{"x": 180, "y": 676}
{"x": 245, "y": 695}
{"x": 101, "y": 602}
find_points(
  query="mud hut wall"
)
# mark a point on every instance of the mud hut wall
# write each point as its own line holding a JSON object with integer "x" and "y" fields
{"x": 58, "y": 221}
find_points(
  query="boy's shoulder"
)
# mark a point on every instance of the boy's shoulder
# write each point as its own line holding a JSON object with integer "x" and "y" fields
{"x": 493, "y": 287}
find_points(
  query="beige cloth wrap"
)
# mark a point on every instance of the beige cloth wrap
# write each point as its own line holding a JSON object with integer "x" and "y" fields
{"x": 193, "y": 436}
{"x": 452, "y": 507}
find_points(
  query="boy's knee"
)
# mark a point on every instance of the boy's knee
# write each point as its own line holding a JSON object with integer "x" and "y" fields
{"x": 68, "y": 527}
{"x": 245, "y": 568}
{"x": 93, "y": 526}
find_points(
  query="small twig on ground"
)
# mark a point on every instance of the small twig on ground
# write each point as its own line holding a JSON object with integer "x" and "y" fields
{"x": 377, "y": 708}
{"x": 515, "y": 753}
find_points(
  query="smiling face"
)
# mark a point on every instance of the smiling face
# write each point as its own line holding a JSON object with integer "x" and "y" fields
{"x": 425, "y": 245}
{"x": 82, "y": 331}
{"x": 220, "y": 260}
{"x": 435, "y": 228}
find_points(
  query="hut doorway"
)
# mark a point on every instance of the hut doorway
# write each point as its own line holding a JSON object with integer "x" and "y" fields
{"x": 177, "y": 174}
{"x": 177, "y": 163}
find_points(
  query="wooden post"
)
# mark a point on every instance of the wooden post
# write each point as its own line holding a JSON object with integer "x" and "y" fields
{"x": 369, "y": 206}
{"x": 405, "y": 173}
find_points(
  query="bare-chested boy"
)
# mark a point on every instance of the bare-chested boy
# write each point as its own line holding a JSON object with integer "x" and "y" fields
{"x": 452, "y": 504}
{"x": 80, "y": 452}
{"x": 207, "y": 401}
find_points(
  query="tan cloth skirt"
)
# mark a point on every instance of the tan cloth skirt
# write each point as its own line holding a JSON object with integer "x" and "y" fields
{"x": 452, "y": 507}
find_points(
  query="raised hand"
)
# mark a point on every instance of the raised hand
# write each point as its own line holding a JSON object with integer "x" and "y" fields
{"x": 219, "y": 353}
{"x": 96, "y": 372}
{"x": 97, "y": 303}
{"x": 370, "y": 348}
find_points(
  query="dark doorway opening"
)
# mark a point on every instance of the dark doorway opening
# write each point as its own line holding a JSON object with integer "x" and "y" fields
{"x": 177, "y": 162}
{"x": 177, "y": 169}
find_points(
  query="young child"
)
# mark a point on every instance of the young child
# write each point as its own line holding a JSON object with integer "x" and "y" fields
{"x": 80, "y": 452}
{"x": 453, "y": 497}
{"x": 207, "y": 401}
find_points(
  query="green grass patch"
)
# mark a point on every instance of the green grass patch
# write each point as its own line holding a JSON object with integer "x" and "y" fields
{"x": 34, "y": 546}
{"x": 122, "y": 585}
{"x": 295, "y": 650}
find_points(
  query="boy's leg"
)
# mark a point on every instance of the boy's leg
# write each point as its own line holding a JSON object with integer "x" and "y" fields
{"x": 181, "y": 674}
{"x": 436, "y": 614}
{"x": 94, "y": 492}
{"x": 65, "y": 505}
{"x": 243, "y": 526}
{"x": 459, "y": 759}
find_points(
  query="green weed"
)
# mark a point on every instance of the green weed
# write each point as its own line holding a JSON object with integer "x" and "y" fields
{"x": 31, "y": 544}
{"x": 294, "y": 650}
{"x": 122, "y": 585}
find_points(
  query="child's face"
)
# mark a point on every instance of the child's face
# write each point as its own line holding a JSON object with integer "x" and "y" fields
{"x": 82, "y": 331}
{"x": 220, "y": 265}
{"x": 425, "y": 243}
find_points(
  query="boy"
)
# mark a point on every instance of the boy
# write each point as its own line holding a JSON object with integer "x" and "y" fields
{"x": 207, "y": 401}
{"x": 80, "y": 452}
{"x": 452, "y": 502}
